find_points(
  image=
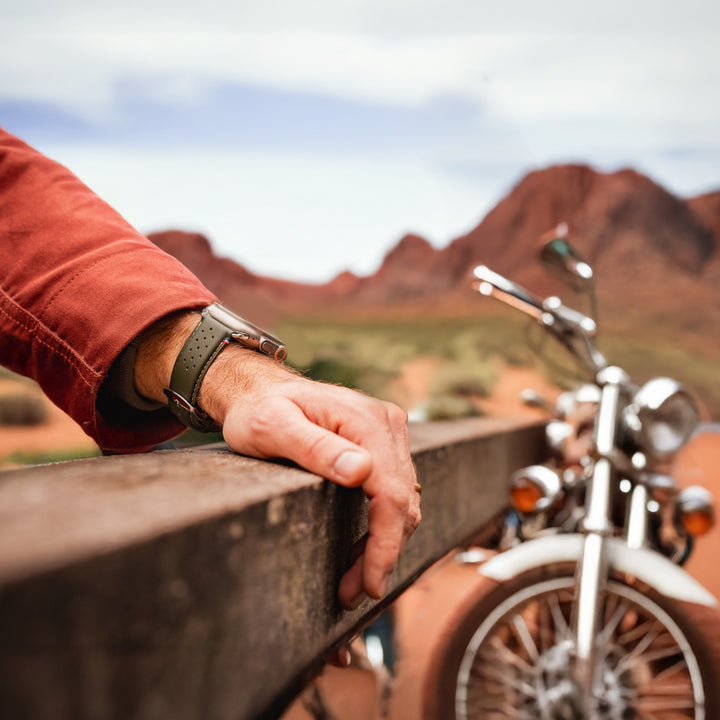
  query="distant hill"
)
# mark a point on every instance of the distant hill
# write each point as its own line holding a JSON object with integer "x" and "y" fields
{"x": 656, "y": 257}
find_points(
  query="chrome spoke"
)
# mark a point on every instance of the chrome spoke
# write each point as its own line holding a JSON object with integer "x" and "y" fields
{"x": 669, "y": 671}
{"x": 523, "y": 634}
{"x": 562, "y": 628}
{"x": 502, "y": 653}
{"x": 497, "y": 673}
{"x": 640, "y": 630}
{"x": 648, "y": 657}
{"x": 613, "y": 622}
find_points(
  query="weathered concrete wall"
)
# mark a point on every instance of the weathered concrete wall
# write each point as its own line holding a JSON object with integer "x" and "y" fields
{"x": 200, "y": 584}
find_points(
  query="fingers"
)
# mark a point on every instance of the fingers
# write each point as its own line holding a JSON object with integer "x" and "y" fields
{"x": 390, "y": 525}
{"x": 351, "y": 591}
{"x": 387, "y": 537}
{"x": 350, "y": 439}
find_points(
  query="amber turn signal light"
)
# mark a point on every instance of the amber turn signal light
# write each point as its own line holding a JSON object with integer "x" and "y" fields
{"x": 525, "y": 498}
{"x": 696, "y": 510}
{"x": 534, "y": 488}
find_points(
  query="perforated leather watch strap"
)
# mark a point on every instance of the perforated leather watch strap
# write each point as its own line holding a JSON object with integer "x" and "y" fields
{"x": 217, "y": 327}
{"x": 205, "y": 343}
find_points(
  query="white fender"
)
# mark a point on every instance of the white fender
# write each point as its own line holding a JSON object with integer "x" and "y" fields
{"x": 646, "y": 565}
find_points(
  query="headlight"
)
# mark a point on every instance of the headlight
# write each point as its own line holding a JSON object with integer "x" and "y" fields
{"x": 662, "y": 416}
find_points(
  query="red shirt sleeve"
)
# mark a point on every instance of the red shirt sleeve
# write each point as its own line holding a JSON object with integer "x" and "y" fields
{"x": 77, "y": 284}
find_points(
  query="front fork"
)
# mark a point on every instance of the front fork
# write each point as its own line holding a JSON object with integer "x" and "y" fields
{"x": 592, "y": 570}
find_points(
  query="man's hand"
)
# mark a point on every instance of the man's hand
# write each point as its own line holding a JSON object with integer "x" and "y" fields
{"x": 267, "y": 410}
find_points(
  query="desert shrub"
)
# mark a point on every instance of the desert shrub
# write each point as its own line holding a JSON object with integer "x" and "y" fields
{"x": 518, "y": 355}
{"x": 476, "y": 379}
{"x": 22, "y": 408}
{"x": 450, "y": 407}
{"x": 334, "y": 371}
{"x": 367, "y": 378}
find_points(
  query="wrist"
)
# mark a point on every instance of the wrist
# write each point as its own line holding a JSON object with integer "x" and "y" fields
{"x": 157, "y": 351}
{"x": 195, "y": 362}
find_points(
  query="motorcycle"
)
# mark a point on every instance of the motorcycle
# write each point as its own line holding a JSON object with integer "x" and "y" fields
{"x": 586, "y": 612}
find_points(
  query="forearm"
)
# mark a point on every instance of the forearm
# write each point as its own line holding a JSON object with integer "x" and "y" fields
{"x": 77, "y": 284}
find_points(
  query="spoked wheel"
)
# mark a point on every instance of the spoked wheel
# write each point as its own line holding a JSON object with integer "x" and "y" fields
{"x": 510, "y": 658}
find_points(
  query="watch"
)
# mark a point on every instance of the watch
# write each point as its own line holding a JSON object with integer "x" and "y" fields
{"x": 218, "y": 327}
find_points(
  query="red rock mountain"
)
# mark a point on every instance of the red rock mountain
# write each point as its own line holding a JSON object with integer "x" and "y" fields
{"x": 655, "y": 255}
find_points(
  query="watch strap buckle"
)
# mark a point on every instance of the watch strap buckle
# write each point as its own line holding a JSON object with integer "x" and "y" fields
{"x": 190, "y": 415}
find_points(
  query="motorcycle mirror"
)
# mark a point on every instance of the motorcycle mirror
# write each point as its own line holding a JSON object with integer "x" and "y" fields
{"x": 559, "y": 256}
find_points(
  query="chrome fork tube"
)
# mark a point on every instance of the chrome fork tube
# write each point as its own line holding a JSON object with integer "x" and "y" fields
{"x": 637, "y": 525}
{"x": 592, "y": 569}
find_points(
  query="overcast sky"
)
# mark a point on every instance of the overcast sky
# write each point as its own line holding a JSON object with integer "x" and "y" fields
{"x": 304, "y": 138}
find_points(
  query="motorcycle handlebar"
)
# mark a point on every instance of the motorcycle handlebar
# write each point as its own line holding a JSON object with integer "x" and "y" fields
{"x": 573, "y": 329}
{"x": 569, "y": 319}
{"x": 492, "y": 283}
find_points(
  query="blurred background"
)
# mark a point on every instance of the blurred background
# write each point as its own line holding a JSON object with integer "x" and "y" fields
{"x": 306, "y": 138}
{"x": 333, "y": 168}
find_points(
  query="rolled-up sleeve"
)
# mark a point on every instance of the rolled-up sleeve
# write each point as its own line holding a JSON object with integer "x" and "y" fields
{"x": 77, "y": 285}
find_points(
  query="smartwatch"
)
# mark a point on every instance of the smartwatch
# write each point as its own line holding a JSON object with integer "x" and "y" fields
{"x": 218, "y": 327}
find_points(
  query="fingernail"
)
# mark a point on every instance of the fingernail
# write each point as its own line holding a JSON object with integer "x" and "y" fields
{"x": 384, "y": 585}
{"x": 358, "y": 600}
{"x": 349, "y": 464}
{"x": 344, "y": 656}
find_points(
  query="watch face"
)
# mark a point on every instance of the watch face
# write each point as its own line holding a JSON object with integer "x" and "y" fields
{"x": 248, "y": 334}
{"x": 229, "y": 318}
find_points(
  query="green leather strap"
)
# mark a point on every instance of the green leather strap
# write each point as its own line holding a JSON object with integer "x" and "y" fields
{"x": 205, "y": 343}
{"x": 216, "y": 329}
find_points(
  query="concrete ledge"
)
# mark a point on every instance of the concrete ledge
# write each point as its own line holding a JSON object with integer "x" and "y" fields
{"x": 198, "y": 584}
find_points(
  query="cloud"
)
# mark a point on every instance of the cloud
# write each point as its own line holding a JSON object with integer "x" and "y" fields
{"x": 294, "y": 215}
{"x": 340, "y": 125}
{"x": 399, "y": 18}
{"x": 623, "y": 81}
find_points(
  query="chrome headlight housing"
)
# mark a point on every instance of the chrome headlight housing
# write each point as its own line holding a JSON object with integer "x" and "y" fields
{"x": 661, "y": 417}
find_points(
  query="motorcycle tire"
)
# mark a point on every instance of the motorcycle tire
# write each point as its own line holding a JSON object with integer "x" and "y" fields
{"x": 505, "y": 654}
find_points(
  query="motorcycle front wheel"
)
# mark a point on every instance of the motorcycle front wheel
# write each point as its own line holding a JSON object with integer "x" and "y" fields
{"x": 507, "y": 655}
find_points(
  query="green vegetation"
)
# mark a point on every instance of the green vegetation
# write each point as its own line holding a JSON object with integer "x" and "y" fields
{"x": 463, "y": 378}
{"x": 645, "y": 359}
{"x": 369, "y": 355}
{"x": 450, "y": 407}
{"x": 386, "y": 345}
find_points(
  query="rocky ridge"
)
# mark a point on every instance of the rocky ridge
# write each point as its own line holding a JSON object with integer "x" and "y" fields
{"x": 656, "y": 256}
